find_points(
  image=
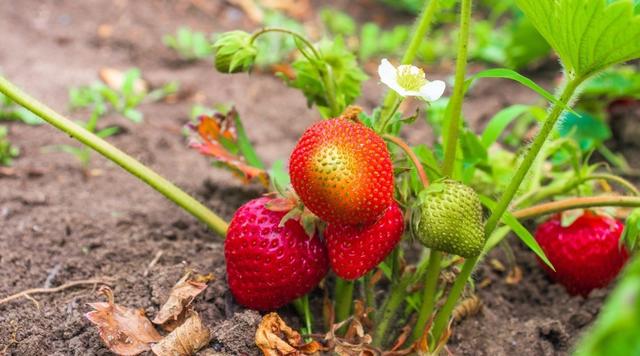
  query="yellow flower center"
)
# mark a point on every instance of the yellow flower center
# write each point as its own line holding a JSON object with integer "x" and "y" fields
{"x": 411, "y": 78}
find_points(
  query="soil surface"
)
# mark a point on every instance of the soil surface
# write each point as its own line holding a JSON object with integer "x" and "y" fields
{"x": 57, "y": 225}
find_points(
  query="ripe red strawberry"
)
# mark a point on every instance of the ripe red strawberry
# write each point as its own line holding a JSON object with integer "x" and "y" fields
{"x": 342, "y": 172}
{"x": 586, "y": 254}
{"x": 356, "y": 249}
{"x": 269, "y": 266}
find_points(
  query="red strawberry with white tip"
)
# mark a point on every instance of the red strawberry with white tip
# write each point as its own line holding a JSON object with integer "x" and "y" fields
{"x": 269, "y": 265}
{"x": 356, "y": 249}
{"x": 342, "y": 172}
{"x": 585, "y": 254}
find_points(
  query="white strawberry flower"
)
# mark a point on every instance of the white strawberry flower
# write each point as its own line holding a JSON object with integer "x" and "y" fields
{"x": 408, "y": 80}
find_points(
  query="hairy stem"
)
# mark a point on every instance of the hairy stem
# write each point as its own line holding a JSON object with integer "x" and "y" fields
{"x": 455, "y": 109}
{"x": 125, "y": 161}
{"x": 576, "y": 203}
{"x": 548, "y": 192}
{"x": 298, "y": 36}
{"x": 442, "y": 317}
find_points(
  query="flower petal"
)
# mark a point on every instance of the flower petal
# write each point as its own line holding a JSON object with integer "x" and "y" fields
{"x": 387, "y": 72}
{"x": 389, "y": 77}
{"x": 432, "y": 91}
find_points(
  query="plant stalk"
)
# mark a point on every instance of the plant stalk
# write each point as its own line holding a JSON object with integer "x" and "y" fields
{"x": 442, "y": 317}
{"x": 411, "y": 155}
{"x": 435, "y": 258}
{"x": 157, "y": 182}
{"x": 455, "y": 111}
{"x": 576, "y": 203}
{"x": 344, "y": 298}
{"x": 428, "y": 296}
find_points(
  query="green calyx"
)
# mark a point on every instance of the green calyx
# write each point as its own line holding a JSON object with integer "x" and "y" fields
{"x": 448, "y": 218}
{"x": 234, "y": 52}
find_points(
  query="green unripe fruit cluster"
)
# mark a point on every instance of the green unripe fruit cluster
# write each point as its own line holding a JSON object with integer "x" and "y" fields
{"x": 449, "y": 219}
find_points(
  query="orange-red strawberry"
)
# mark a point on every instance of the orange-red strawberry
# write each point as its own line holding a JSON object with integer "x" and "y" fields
{"x": 356, "y": 249}
{"x": 269, "y": 265}
{"x": 342, "y": 172}
{"x": 585, "y": 254}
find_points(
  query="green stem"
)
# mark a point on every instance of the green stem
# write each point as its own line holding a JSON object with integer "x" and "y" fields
{"x": 576, "y": 203}
{"x": 442, "y": 317}
{"x": 548, "y": 192}
{"x": 428, "y": 295}
{"x": 300, "y": 37}
{"x": 458, "y": 90}
{"x": 302, "y": 308}
{"x": 389, "y": 309}
{"x": 131, "y": 165}
{"x": 344, "y": 298}
{"x": 422, "y": 27}
{"x": 325, "y": 72}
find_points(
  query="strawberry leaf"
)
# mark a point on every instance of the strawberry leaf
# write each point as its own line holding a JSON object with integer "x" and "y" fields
{"x": 587, "y": 35}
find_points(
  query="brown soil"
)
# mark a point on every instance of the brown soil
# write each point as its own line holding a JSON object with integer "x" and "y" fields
{"x": 59, "y": 226}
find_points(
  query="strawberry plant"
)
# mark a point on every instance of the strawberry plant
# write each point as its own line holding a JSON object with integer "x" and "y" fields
{"x": 356, "y": 195}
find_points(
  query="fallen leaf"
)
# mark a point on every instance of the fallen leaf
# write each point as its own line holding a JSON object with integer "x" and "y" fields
{"x": 274, "y": 338}
{"x": 125, "y": 331}
{"x": 514, "y": 276}
{"x": 216, "y": 137}
{"x": 115, "y": 78}
{"x": 174, "y": 310}
{"x": 358, "y": 345}
{"x": 185, "y": 340}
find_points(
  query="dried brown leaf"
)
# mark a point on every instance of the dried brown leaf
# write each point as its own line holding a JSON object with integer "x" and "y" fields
{"x": 173, "y": 312}
{"x": 185, "y": 340}
{"x": 355, "y": 346}
{"x": 125, "y": 331}
{"x": 275, "y": 338}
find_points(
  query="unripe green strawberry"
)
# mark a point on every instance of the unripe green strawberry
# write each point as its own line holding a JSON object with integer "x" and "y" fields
{"x": 449, "y": 218}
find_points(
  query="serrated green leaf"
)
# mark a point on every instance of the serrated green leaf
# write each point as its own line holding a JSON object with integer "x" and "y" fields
{"x": 588, "y": 35}
{"x": 520, "y": 231}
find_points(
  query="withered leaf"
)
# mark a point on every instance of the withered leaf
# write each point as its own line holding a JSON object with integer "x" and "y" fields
{"x": 173, "y": 312}
{"x": 275, "y": 338}
{"x": 356, "y": 345}
{"x": 125, "y": 331}
{"x": 185, "y": 340}
{"x": 217, "y": 138}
